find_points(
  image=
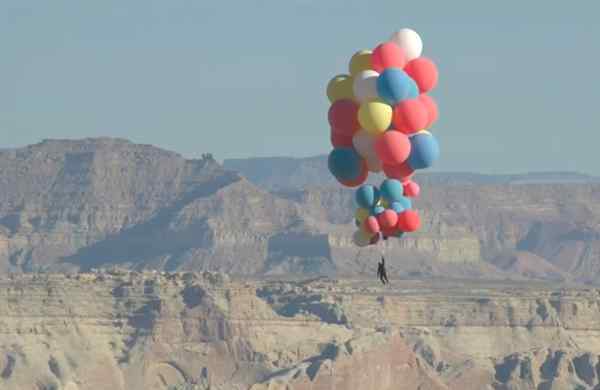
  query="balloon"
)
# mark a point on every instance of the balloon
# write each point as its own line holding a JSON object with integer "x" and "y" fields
{"x": 345, "y": 164}
{"x": 388, "y": 219}
{"x": 406, "y": 203}
{"x": 394, "y": 85}
{"x": 360, "y": 61}
{"x": 361, "y": 214}
{"x": 371, "y": 225}
{"x": 343, "y": 117}
{"x": 364, "y": 144}
{"x": 408, "y": 221}
{"x": 402, "y": 172}
{"x": 377, "y": 210}
{"x": 424, "y": 72}
{"x": 424, "y": 151}
{"x": 365, "y": 85}
{"x": 393, "y": 147}
{"x": 385, "y": 204}
{"x": 431, "y": 107}
{"x": 361, "y": 239}
{"x": 374, "y": 239}
{"x": 391, "y": 190}
{"x": 362, "y": 177}
{"x": 387, "y": 55}
{"x": 411, "y": 189}
{"x": 374, "y": 164}
{"x": 397, "y": 207}
{"x": 390, "y": 232}
{"x": 375, "y": 116}
{"x": 398, "y": 234}
{"x": 410, "y": 116}
{"x": 366, "y": 196}
{"x": 409, "y": 41}
{"x": 339, "y": 140}
{"x": 340, "y": 88}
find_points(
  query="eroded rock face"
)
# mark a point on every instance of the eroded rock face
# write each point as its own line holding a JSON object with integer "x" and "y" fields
{"x": 154, "y": 330}
{"x": 84, "y": 204}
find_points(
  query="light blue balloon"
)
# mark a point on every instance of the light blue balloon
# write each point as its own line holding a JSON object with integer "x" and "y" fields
{"x": 397, "y": 207}
{"x": 424, "y": 151}
{"x": 405, "y": 202}
{"x": 394, "y": 85}
{"x": 344, "y": 164}
{"x": 366, "y": 196}
{"x": 377, "y": 210}
{"x": 391, "y": 190}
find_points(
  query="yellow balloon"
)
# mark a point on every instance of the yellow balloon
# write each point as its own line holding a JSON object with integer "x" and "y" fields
{"x": 361, "y": 60}
{"x": 385, "y": 204}
{"x": 340, "y": 87}
{"x": 375, "y": 116}
{"x": 361, "y": 214}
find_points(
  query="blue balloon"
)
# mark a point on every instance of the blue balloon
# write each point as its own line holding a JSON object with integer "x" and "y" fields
{"x": 424, "y": 151}
{"x": 401, "y": 205}
{"x": 344, "y": 164}
{"x": 366, "y": 196}
{"x": 394, "y": 85}
{"x": 377, "y": 210}
{"x": 391, "y": 190}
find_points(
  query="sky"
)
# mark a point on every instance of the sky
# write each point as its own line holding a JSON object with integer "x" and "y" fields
{"x": 518, "y": 90}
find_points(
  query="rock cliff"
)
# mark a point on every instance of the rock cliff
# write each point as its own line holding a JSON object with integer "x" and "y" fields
{"x": 155, "y": 330}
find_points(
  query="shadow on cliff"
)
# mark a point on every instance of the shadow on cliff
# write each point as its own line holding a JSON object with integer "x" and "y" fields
{"x": 153, "y": 238}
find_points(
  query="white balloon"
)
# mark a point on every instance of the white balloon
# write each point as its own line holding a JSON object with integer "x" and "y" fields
{"x": 410, "y": 41}
{"x": 360, "y": 239}
{"x": 374, "y": 164}
{"x": 364, "y": 143}
{"x": 365, "y": 85}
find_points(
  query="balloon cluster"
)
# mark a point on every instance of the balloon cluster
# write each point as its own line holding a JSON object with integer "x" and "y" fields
{"x": 385, "y": 211}
{"x": 379, "y": 116}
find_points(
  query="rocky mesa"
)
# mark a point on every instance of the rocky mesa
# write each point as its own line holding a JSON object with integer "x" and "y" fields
{"x": 156, "y": 330}
{"x": 84, "y": 204}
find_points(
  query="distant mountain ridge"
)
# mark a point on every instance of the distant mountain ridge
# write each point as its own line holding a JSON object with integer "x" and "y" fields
{"x": 285, "y": 173}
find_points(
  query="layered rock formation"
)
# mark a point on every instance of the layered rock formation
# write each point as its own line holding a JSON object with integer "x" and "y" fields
{"x": 127, "y": 330}
{"x": 78, "y": 205}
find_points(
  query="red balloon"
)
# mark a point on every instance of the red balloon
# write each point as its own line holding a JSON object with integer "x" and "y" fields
{"x": 393, "y": 147}
{"x": 364, "y": 173}
{"x": 372, "y": 225}
{"x": 339, "y": 140}
{"x": 402, "y": 172}
{"x": 387, "y": 55}
{"x": 411, "y": 189}
{"x": 424, "y": 72}
{"x": 388, "y": 219}
{"x": 410, "y": 116}
{"x": 343, "y": 117}
{"x": 408, "y": 221}
{"x": 431, "y": 107}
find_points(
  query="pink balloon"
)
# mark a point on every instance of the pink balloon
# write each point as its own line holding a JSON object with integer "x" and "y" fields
{"x": 431, "y": 107}
{"x": 402, "y": 172}
{"x": 424, "y": 72}
{"x": 339, "y": 140}
{"x": 408, "y": 221}
{"x": 343, "y": 117}
{"x": 410, "y": 116}
{"x": 387, "y": 55}
{"x": 411, "y": 189}
{"x": 388, "y": 219}
{"x": 393, "y": 147}
{"x": 372, "y": 225}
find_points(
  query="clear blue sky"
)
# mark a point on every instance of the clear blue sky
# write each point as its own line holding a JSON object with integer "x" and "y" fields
{"x": 519, "y": 88}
